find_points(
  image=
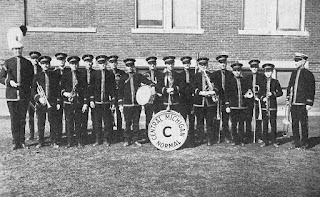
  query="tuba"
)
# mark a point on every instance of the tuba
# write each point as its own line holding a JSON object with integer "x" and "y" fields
{"x": 42, "y": 94}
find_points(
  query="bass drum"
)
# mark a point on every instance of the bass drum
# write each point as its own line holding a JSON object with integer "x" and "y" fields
{"x": 145, "y": 95}
{"x": 168, "y": 130}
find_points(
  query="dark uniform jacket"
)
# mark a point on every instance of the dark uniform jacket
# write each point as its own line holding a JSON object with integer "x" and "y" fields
{"x": 9, "y": 72}
{"x": 200, "y": 84}
{"x": 187, "y": 88}
{"x": 51, "y": 89}
{"x": 117, "y": 74}
{"x": 276, "y": 91}
{"x": 158, "y": 77}
{"x": 163, "y": 85}
{"x": 81, "y": 89}
{"x": 235, "y": 98}
{"x": 96, "y": 92}
{"x": 127, "y": 95}
{"x": 217, "y": 75}
{"x": 260, "y": 79}
{"x": 304, "y": 90}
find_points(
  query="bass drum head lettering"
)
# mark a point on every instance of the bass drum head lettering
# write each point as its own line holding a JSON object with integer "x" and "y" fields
{"x": 168, "y": 130}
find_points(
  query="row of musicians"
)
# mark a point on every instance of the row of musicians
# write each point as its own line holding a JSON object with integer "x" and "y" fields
{"x": 211, "y": 96}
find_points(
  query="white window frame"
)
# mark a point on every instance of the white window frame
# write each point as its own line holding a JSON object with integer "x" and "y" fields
{"x": 167, "y": 21}
{"x": 272, "y": 27}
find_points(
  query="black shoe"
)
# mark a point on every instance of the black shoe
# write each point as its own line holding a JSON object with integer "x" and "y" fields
{"x": 39, "y": 145}
{"x": 263, "y": 145}
{"x": 80, "y": 145}
{"x": 97, "y": 144}
{"x": 15, "y": 147}
{"x": 69, "y": 146}
{"x": 137, "y": 144}
{"x": 24, "y": 146}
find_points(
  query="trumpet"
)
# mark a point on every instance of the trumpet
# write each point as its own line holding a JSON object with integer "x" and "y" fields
{"x": 42, "y": 94}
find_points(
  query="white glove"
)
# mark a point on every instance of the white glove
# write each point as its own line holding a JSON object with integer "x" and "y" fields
{"x": 92, "y": 105}
{"x": 228, "y": 110}
{"x": 308, "y": 107}
{"x": 42, "y": 101}
{"x": 13, "y": 84}
{"x": 84, "y": 108}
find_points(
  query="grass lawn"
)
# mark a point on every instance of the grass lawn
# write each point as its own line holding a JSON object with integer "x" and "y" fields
{"x": 219, "y": 170}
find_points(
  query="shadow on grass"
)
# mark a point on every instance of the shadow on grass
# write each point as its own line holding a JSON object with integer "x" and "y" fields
{"x": 313, "y": 141}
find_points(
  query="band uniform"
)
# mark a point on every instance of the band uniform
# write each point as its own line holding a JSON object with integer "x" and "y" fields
{"x": 237, "y": 103}
{"x": 45, "y": 85}
{"x": 74, "y": 89}
{"x": 102, "y": 93}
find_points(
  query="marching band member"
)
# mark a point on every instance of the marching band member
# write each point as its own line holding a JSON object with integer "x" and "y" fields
{"x": 271, "y": 89}
{"x": 154, "y": 76}
{"x": 186, "y": 96}
{"x": 88, "y": 61}
{"x": 129, "y": 85}
{"x": 236, "y": 103}
{"x": 113, "y": 63}
{"x": 302, "y": 83}
{"x": 34, "y": 55}
{"x": 223, "y": 77}
{"x": 74, "y": 89}
{"x": 205, "y": 101}
{"x": 17, "y": 75}
{"x": 61, "y": 59}
{"x": 255, "y": 81}
{"x": 170, "y": 85}
{"x": 102, "y": 87}
{"x": 46, "y": 94}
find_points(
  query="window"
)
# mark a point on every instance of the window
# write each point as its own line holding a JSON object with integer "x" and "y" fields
{"x": 274, "y": 17}
{"x": 168, "y": 16}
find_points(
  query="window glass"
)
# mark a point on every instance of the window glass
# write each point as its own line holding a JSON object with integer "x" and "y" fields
{"x": 256, "y": 14}
{"x": 289, "y": 17}
{"x": 185, "y": 14}
{"x": 150, "y": 13}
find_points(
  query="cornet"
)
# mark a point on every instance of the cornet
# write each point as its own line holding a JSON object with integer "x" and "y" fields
{"x": 42, "y": 94}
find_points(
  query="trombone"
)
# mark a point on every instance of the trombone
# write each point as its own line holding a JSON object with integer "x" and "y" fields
{"x": 287, "y": 115}
{"x": 42, "y": 94}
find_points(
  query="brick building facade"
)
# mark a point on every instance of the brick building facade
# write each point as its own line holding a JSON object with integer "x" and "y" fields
{"x": 111, "y": 27}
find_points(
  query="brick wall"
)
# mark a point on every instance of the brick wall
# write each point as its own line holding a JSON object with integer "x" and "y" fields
{"x": 114, "y": 19}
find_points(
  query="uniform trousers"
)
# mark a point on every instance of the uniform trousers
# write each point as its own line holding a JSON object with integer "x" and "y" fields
{"x": 74, "y": 122}
{"x": 249, "y": 128}
{"x": 299, "y": 114}
{"x": 131, "y": 117}
{"x": 31, "y": 113}
{"x": 225, "y": 117}
{"x": 103, "y": 114}
{"x": 237, "y": 125}
{"x": 149, "y": 109}
{"x": 208, "y": 113}
{"x": 86, "y": 116}
{"x": 118, "y": 135}
{"x": 52, "y": 117}
{"x": 273, "y": 123}
{"x": 187, "y": 111}
{"x": 59, "y": 114}
{"x": 18, "y": 111}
